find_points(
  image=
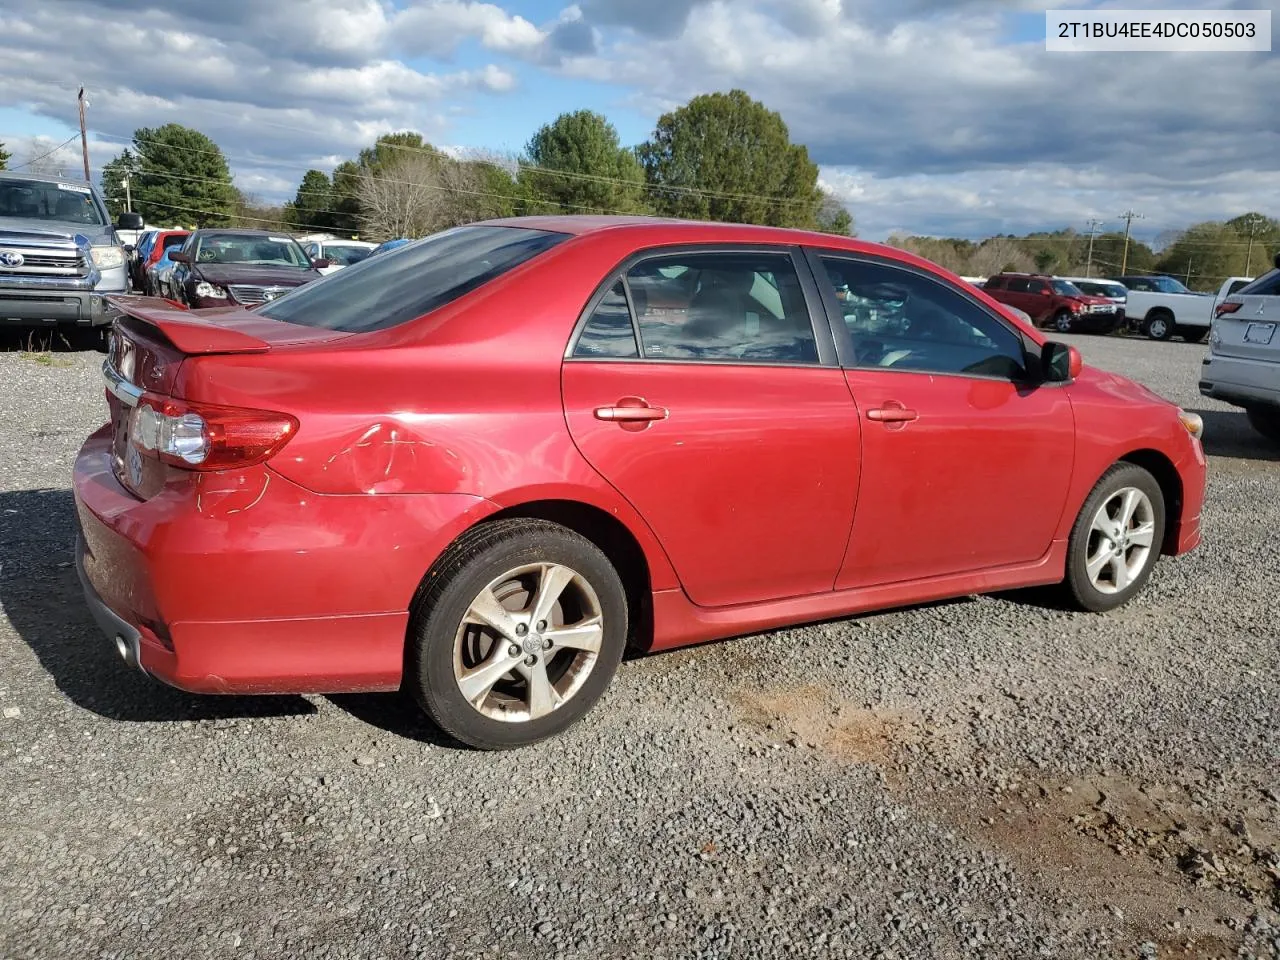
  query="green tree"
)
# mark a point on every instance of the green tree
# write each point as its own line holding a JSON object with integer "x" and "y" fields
{"x": 724, "y": 156}
{"x": 346, "y": 203}
{"x": 114, "y": 174}
{"x": 4, "y": 156}
{"x": 595, "y": 174}
{"x": 1206, "y": 254}
{"x": 312, "y": 205}
{"x": 182, "y": 176}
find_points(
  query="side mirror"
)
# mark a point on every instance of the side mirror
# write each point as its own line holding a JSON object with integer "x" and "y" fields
{"x": 129, "y": 248}
{"x": 1060, "y": 363}
{"x": 179, "y": 257}
{"x": 129, "y": 221}
{"x": 321, "y": 263}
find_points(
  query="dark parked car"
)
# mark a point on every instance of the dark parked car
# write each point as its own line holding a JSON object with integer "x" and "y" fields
{"x": 219, "y": 268}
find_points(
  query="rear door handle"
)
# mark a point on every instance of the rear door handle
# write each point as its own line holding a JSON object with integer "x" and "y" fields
{"x": 892, "y": 413}
{"x": 631, "y": 410}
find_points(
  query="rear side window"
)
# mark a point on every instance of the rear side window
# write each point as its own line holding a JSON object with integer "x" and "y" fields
{"x": 995, "y": 283}
{"x": 609, "y": 332}
{"x": 1267, "y": 285}
{"x": 743, "y": 307}
{"x": 1019, "y": 285}
{"x": 400, "y": 285}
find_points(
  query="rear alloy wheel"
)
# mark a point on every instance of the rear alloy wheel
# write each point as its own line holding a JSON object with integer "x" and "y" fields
{"x": 1062, "y": 321}
{"x": 1160, "y": 327}
{"x": 1116, "y": 539}
{"x": 1266, "y": 420}
{"x": 518, "y": 634}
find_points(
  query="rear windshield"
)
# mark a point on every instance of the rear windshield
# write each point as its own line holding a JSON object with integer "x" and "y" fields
{"x": 1267, "y": 285}
{"x": 395, "y": 287}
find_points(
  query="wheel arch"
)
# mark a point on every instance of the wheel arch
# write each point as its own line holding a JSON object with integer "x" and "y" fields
{"x": 610, "y": 534}
{"x": 1166, "y": 475}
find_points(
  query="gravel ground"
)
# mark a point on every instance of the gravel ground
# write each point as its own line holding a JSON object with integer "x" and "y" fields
{"x": 991, "y": 777}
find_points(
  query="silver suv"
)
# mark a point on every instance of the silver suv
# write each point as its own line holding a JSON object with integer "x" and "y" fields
{"x": 1243, "y": 366}
{"x": 59, "y": 253}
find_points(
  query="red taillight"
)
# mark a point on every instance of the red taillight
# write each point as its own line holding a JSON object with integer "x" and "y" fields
{"x": 1223, "y": 309}
{"x": 206, "y": 436}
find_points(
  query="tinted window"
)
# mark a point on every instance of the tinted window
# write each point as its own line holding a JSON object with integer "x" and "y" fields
{"x": 173, "y": 241}
{"x": 995, "y": 283}
{"x": 48, "y": 200}
{"x": 609, "y": 332}
{"x": 1236, "y": 285}
{"x": 1267, "y": 285}
{"x": 1036, "y": 286}
{"x": 726, "y": 306}
{"x": 394, "y": 288}
{"x": 902, "y": 320}
{"x": 1019, "y": 285}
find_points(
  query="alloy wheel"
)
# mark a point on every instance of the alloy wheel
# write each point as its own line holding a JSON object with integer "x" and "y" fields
{"x": 1121, "y": 539}
{"x": 528, "y": 642}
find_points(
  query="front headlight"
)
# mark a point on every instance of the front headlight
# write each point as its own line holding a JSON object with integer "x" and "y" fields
{"x": 1193, "y": 422}
{"x": 107, "y": 258}
{"x": 210, "y": 290}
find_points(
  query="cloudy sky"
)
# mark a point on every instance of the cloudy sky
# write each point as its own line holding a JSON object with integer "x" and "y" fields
{"x": 943, "y": 117}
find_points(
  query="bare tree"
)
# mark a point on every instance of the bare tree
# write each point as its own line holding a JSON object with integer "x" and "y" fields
{"x": 418, "y": 194}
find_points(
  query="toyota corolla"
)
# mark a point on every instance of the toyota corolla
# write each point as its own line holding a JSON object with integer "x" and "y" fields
{"x": 479, "y": 466}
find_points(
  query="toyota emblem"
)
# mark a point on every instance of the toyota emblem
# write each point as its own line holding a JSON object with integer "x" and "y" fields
{"x": 11, "y": 258}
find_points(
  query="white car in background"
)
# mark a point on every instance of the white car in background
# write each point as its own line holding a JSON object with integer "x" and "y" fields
{"x": 339, "y": 253}
{"x": 1243, "y": 365}
{"x": 1162, "y": 307}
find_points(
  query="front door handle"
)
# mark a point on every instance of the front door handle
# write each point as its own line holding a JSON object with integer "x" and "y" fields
{"x": 892, "y": 412}
{"x": 631, "y": 410}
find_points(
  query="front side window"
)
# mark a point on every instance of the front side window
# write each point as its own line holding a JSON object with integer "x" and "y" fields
{"x": 899, "y": 319}
{"x": 1036, "y": 286}
{"x": 744, "y": 307}
{"x": 401, "y": 285}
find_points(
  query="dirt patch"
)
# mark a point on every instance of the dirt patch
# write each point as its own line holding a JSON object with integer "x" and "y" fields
{"x": 811, "y": 717}
{"x": 1191, "y": 866}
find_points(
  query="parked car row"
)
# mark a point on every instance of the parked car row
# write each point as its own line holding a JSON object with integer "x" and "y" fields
{"x": 1056, "y": 302}
{"x": 1163, "y": 308}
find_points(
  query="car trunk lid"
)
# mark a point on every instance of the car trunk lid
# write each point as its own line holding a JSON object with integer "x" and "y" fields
{"x": 150, "y": 342}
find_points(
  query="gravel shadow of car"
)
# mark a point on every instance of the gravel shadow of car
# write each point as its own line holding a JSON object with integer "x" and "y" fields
{"x": 42, "y": 600}
{"x": 1227, "y": 433}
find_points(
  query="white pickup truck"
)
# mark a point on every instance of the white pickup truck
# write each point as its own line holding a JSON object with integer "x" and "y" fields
{"x": 1162, "y": 308}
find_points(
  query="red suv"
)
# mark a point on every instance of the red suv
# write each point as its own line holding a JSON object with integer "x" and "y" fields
{"x": 1056, "y": 302}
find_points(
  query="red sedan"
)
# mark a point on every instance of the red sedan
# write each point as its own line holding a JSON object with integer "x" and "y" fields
{"x": 481, "y": 465}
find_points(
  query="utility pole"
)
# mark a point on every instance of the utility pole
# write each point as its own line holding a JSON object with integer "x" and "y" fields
{"x": 1128, "y": 217}
{"x": 1254, "y": 222}
{"x": 1093, "y": 228}
{"x": 1188, "y": 280}
{"x": 84, "y": 139}
{"x": 128, "y": 200}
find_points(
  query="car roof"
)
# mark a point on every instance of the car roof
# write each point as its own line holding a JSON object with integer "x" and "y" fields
{"x": 243, "y": 232}
{"x": 42, "y": 178}
{"x": 657, "y": 231}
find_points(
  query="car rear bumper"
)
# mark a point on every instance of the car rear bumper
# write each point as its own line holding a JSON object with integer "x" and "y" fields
{"x": 283, "y": 592}
{"x": 1240, "y": 381}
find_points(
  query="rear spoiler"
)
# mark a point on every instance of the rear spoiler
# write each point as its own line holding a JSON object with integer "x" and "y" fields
{"x": 186, "y": 330}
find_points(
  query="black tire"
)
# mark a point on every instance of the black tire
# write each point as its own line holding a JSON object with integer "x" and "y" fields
{"x": 1159, "y": 325}
{"x": 1079, "y": 587}
{"x": 462, "y": 573}
{"x": 1063, "y": 321}
{"x": 1266, "y": 420}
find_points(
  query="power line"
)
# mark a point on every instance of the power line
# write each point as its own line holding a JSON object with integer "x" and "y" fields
{"x": 1093, "y": 228}
{"x": 48, "y": 153}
